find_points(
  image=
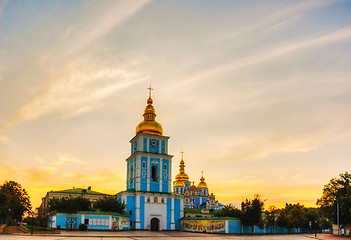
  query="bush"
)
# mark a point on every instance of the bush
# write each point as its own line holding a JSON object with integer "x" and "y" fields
{"x": 58, "y": 227}
{"x": 83, "y": 227}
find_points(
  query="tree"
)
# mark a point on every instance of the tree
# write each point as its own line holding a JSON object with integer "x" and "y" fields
{"x": 283, "y": 220}
{"x": 252, "y": 211}
{"x": 297, "y": 215}
{"x": 270, "y": 217}
{"x": 229, "y": 211}
{"x": 69, "y": 205}
{"x": 14, "y": 202}
{"x": 337, "y": 190}
{"x": 110, "y": 204}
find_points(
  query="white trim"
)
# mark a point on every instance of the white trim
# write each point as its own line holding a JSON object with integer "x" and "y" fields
{"x": 148, "y": 173}
{"x": 137, "y": 212}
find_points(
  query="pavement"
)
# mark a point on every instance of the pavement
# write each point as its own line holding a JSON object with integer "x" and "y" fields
{"x": 326, "y": 237}
{"x": 148, "y": 235}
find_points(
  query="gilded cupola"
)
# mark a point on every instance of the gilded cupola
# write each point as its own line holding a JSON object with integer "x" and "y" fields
{"x": 149, "y": 124}
{"x": 202, "y": 183}
{"x": 181, "y": 176}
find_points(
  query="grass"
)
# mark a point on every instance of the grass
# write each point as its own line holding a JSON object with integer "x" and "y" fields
{"x": 38, "y": 229}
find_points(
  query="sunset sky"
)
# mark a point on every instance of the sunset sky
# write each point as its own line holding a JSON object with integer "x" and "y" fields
{"x": 256, "y": 93}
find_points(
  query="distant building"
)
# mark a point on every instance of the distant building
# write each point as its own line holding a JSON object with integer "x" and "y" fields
{"x": 194, "y": 196}
{"x": 93, "y": 196}
{"x": 93, "y": 220}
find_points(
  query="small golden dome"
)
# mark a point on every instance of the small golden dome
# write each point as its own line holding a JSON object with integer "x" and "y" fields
{"x": 182, "y": 176}
{"x": 149, "y": 125}
{"x": 202, "y": 183}
{"x": 179, "y": 184}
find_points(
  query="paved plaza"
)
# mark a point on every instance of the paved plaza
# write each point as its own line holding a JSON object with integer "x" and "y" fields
{"x": 146, "y": 235}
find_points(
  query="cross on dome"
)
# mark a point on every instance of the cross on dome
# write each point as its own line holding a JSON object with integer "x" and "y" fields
{"x": 150, "y": 89}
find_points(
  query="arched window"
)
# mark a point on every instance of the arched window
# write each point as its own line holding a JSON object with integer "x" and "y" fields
{"x": 148, "y": 199}
{"x": 131, "y": 173}
{"x": 162, "y": 200}
{"x": 155, "y": 199}
{"x": 154, "y": 173}
{"x": 144, "y": 164}
{"x": 165, "y": 167}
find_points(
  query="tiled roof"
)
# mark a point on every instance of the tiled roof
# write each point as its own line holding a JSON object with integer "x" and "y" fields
{"x": 209, "y": 218}
{"x": 103, "y": 213}
{"x": 79, "y": 191}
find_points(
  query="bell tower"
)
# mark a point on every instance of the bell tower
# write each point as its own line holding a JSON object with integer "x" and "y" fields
{"x": 149, "y": 165}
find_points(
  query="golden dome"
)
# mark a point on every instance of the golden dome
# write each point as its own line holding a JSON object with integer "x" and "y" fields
{"x": 202, "y": 183}
{"x": 179, "y": 184}
{"x": 182, "y": 176}
{"x": 149, "y": 125}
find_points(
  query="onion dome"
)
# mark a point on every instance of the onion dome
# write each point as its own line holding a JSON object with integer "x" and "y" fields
{"x": 202, "y": 183}
{"x": 182, "y": 176}
{"x": 149, "y": 125}
{"x": 193, "y": 186}
{"x": 179, "y": 184}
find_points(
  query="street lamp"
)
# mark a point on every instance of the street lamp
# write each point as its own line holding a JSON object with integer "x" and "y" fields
{"x": 337, "y": 215}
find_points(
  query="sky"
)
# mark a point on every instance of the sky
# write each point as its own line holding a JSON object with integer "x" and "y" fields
{"x": 256, "y": 93}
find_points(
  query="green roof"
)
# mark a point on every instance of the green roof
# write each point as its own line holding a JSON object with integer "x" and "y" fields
{"x": 103, "y": 213}
{"x": 192, "y": 210}
{"x": 80, "y": 191}
{"x": 209, "y": 218}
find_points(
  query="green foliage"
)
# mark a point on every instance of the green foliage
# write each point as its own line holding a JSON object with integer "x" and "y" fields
{"x": 297, "y": 215}
{"x": 14, "y": 202}
{"x": 252, "y": 211}
{"x": 338, "y": 189}
{"x": 69, "y": 205}
{"x": 270, "y": 217}
{"x": 110, "y": 204}
{"x": 229, "y": 211}
{"x": 83, "y": 227}
{"x": 283, "y": 220}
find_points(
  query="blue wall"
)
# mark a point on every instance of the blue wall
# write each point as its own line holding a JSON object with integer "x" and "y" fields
{"x": 234, "y": 226}
{"x": 131, "y": 207}
{"x": 177, "y": 213}
{"x": 143, "y": 180}
{"x": 163, "y": 147}
{"x": 142, "y": 212}
{"x": 155, "y": 185}
{"x": 131, "y": 174}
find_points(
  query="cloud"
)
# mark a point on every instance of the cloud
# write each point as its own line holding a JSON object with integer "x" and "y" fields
{"x": 273, "y": 53}
{"x": 75, "y": 88}
{"x": 2, "y": 7}
{"x": 110, "y": 16}
{"x": 273, "y": 19}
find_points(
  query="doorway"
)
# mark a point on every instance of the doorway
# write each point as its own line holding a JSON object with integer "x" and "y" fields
{"x": 155, "y": 224}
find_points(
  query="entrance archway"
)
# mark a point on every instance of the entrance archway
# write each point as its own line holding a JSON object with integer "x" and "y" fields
{"x": 155, "y": 224}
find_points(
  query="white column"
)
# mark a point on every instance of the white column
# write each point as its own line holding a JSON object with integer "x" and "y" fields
{"x": 110, "y": 222}
{"x": 226, "y": 226}
{"x": 54, "y": 222}
{"x": 82, "y": 218}
{"x": 172, "y": 214}
{"x": 181, "y": 207}
{"x": 148, "y": 173}
{"x": 161, "y": 174}
{"x": 137, "y": 173}
{"x": 137, "y": 212}
{"x": 170, "y": 176}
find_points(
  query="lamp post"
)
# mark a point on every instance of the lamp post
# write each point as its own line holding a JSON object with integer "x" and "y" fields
{"x": 337, "y": 216}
